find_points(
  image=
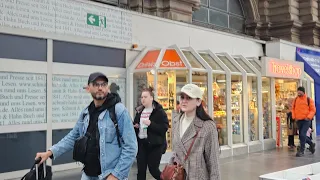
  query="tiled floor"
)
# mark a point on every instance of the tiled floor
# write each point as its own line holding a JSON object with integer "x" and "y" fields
{"x": 245, "y": 167}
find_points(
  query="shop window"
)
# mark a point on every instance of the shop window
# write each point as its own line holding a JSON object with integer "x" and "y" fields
{"x": 201, "y": 79}
{"x": 228, "y": 63}
{"x": 236, "y": 109}
{"x": 218, "y": 18}
{"x": 266, "y": 106}
{"x": 219, "y": 107}
{"x": 211, "y": 61}
{"x": 253, "y": 109}
{"x": 168, "y": 84}
{"x": 244, "y": 65}
{"x": 305, "y": 85}
{"x": 192, "y": 60}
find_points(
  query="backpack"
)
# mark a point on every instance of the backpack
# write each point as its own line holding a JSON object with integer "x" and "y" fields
{"x": 308, "y": 100}
{"x": 112, "y": 113}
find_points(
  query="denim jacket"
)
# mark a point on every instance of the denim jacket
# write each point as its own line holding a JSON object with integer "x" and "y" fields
{"x": 114, "y": 160}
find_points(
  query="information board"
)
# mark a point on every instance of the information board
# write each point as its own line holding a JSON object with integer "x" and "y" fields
{"x": 22, "y": 98}
{"x": 68, "y": 17}
{"x": 68, "y": 97}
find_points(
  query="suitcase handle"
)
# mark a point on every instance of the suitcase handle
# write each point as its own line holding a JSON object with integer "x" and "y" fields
{"x": 36, "y": 163}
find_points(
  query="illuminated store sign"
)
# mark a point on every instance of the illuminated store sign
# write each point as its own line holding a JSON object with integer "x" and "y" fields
{"x": 285, "y": 69}
{"x": 282, "y": 68}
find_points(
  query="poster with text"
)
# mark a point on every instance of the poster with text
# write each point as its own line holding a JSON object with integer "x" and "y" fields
{"x": 22, "y": 98}
{"x": 70, "y": 99}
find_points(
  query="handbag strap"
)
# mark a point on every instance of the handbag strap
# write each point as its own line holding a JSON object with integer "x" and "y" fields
{"x": 189, "y": 150}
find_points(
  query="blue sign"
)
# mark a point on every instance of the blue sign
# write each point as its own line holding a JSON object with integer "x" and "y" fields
{"x": 310, "y": 57}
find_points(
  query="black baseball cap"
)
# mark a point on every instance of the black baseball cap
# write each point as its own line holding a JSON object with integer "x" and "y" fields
{"x": 95, "y": 76}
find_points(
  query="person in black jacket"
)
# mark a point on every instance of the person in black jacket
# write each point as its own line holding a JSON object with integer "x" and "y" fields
{"x": 151, "y": 125}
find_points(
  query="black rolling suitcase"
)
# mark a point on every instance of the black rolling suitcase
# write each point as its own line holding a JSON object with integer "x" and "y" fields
{"x": 39, "y": 172}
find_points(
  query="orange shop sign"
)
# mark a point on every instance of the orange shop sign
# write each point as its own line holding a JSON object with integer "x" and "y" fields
{"x": 171, "y": 59}
{"x": 149, "y": 60}
{"x": 282, "y": 68}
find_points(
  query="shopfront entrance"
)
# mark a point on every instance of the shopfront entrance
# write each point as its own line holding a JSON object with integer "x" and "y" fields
{"x": 285, "y": 93}
{"x": 167, "y": 70}
{"x": 280, "y": 82}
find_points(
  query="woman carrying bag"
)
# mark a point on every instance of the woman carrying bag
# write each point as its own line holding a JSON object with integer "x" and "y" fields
{"x": 195, "y": 141}
{"x": 151, "y": 125}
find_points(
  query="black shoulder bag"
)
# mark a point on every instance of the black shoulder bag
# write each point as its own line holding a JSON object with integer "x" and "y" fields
{"x": 80, "y": 145}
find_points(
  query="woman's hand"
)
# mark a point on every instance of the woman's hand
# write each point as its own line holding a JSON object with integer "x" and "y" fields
{"x": 136, "y": 126}
{"x": 147, "y": 122}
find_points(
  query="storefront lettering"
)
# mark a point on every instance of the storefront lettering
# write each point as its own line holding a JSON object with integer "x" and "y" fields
{"x": 165, "y": 63}
{"x": 285, "y": 69}
{"x": 145, "y": 65}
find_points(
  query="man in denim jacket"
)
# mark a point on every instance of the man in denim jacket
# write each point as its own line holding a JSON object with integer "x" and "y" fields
{"x": 105, "y": 158}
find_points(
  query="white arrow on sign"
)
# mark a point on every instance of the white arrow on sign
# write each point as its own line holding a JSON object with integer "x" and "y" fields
{"x": 92, "y": 19}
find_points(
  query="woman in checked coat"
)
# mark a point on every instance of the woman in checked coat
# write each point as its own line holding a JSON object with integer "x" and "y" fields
{"x": 203, "y": 161}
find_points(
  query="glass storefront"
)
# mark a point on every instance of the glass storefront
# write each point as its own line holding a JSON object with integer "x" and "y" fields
{"x": 266, "y": 106}
{"x": 236, "y": 107}
{"x": 219, "y": 97}
{"x": 219, "y": 106}
{"x": 241, "y": 101}
{"x": 253, "y": 109}
{"x": 253, "y": 100}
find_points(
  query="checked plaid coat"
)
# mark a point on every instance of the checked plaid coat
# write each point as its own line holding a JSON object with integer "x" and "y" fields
{"x": 203, "y": 161}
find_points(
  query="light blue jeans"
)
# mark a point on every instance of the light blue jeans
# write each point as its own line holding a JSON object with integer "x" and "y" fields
{"x": 85, "y": 177}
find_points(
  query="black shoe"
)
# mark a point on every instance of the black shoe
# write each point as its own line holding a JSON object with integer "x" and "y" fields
{"x": 300, "y": 154}
{"x": 312, "y": 148}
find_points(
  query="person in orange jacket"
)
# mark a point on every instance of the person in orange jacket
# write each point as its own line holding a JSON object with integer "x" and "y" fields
{"x": 303, "y": 111}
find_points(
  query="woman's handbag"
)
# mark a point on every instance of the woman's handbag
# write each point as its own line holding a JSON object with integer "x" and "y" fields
{"x": 176, "y": 171}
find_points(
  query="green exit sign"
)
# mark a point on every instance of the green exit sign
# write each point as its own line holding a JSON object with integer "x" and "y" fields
{"x": 96, "y": 20}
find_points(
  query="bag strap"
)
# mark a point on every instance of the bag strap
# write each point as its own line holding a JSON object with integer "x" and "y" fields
{"x": 189, "y": 150}
{"x": 112, "y": 113}
{"x": 308, "y": 99}
{"x": 35, "y": 164}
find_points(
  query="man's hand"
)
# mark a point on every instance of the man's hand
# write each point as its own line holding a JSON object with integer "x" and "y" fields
{"x": 136, "y": 126}
{"x": 147, "y": 122}
{"x": 111, "y": 177}
{"x": 43, "y": 155}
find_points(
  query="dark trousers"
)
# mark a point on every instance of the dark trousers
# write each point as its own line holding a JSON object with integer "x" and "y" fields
{"x": 309, "y": 141}
{"x": 290, "y": 140}
{"x": 148, "y": 156}
{"x": 303, "y": 126}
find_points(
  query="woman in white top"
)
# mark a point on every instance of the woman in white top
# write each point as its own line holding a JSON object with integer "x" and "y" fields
{"x": 151, "y": 125}
{"x": 194, "y": 122}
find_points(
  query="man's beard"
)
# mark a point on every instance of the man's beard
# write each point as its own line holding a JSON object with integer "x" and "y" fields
{"x": 94, "y": 96}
